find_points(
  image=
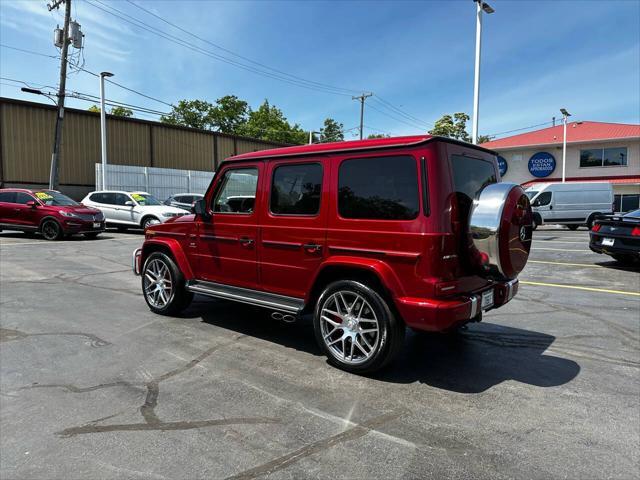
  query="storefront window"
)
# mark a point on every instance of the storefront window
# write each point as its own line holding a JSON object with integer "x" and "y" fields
{"x": 603, "y": 157}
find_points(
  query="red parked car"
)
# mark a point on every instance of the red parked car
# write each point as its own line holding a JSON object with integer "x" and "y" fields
{"x": 48, "y": 212}
{"x": 367, "y": 236}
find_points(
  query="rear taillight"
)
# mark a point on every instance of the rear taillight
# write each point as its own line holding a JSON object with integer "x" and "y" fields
{"x": 596, "y": 227}
{"x": 635, "y": 232}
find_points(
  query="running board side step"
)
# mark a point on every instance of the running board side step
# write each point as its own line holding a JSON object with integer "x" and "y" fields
{"x": 246, "y": 295}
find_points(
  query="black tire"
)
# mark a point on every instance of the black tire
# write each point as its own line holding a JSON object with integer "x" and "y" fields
{"x": 591, "y": 219}
{"x": 91, "y": 235}
{"x": 628, "y": 260}
{"x": 179, "y": 298}
{"x": 51, "y": 230}
{"x": 148, "y": 221}
{"x": 390, "y": 334}
{"x": 121, "y": 228}
{"x": 534, "y": 223}
{"x": 573, "y": 227}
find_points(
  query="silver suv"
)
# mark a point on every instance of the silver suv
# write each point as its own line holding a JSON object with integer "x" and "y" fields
{"x": 183, "y": 200}
{"x": 131, "y": 209}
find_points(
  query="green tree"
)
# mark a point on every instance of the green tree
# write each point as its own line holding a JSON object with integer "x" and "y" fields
{"x": 377, "y": 135}
{"x": 191, "y": 113}
{"x": 115, "y": 111}
{"x": 269, "y": 123}
{"x": 455, "y": 127}
{"x": 452, "y": 126}
{"x": 332, "y": 131}
{"x": 122, "y": 112}
{"x": 229, "y": 113}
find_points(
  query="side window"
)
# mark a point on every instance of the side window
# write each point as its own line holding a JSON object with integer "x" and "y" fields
{"x": 120, "y": 198}
{"x": 237, "y": 191}
{"x": 543, "y": 199}
{"x": 296, "y": 189}
{"x": 22, "y": 198}
{"x": 7, "y": 197}
{"x": 382, "y": 188}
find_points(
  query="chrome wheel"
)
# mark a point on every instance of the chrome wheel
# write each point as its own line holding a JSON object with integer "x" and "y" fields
{"x": 158, "y": 285}
{"x": 349, "y": 327}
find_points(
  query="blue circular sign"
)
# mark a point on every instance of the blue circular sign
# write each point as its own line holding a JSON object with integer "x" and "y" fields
{"x": 502, "y": 165}
{"x": 542, "y": 164}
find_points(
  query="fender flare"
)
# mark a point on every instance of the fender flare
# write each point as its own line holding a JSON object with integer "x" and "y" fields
{"x": 380, "y": 269}
{"x": 176, "y": 251}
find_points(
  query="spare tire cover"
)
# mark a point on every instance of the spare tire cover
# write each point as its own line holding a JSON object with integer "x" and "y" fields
{"x": 500, "y": 230}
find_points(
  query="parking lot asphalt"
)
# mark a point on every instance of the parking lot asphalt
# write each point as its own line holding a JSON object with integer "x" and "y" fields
{"x": 93, "y": 385}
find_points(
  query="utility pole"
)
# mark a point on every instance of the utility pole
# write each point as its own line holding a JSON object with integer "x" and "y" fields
{"x": 55, "y": 156}
{"x": 103, "y": 129}
{"x": 362, "y": 98}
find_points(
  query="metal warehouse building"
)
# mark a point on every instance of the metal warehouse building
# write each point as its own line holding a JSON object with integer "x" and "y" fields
{"x": 26, "y": 142}
{"x": 596, "y": 152}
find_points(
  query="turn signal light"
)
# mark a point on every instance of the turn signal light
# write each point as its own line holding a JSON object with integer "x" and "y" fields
{"x": 596, "y": 227}
{"x": 635, "y": 232}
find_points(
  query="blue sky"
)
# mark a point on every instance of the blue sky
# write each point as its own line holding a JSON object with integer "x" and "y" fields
{"x": 417, "y": 55}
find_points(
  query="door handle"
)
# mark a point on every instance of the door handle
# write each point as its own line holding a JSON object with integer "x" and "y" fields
{"x": 550, "y": 207}
{"x": 246, "y": 241}
{"x": 312, "y": 247}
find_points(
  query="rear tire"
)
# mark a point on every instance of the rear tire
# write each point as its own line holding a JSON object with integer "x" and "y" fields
{"x": 356, "y": 328}
{"x": 51, "y": 230}
{"x": 91, "y": 236}
{"x": 163, "y": 285}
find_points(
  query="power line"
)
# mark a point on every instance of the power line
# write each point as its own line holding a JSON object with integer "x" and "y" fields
{"x": 396, "y": 118}
{"x": 237, "y": 54}
{"x": 140, "y": 24}
{"x": 28, "y": 51}
{"x": 400, "y": 111}
{"x": 520, "y": 129}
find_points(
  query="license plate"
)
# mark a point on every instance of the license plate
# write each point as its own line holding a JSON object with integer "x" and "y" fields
{"x": 608, "y": 242}
{"x": 487, "y": 299}
{"x": 96, "y": 225}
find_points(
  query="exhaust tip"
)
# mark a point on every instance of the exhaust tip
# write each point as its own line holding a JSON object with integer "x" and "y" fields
{"x": 288, "y": 318}
{"x": 277, "y": 316}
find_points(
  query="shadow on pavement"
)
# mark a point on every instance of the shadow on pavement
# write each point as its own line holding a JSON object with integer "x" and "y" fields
{"x": 469, "y": 362}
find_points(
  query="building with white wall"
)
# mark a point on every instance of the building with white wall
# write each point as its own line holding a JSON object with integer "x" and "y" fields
{"x": 596, "y": 152}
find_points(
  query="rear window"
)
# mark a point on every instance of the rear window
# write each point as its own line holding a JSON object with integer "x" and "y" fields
{"x": 380, "y": 188}
{"x": 470, "y": 176}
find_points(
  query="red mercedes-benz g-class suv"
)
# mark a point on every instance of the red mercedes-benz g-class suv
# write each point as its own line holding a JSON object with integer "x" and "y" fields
{"x": 367, "y": 236}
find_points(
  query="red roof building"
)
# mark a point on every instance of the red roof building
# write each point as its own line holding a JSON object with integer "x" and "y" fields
{"x": 596, "y": 152}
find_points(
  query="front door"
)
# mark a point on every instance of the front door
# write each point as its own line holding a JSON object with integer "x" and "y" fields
{"x": 226, "y": 242}
{"x": 544, "y": 206}
{"x": 293, "y": 226}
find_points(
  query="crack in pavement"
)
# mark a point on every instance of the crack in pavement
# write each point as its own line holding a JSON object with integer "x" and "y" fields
{"x": 352, "y": 433}
{"x": 8, "y": 334}
{"x": 147, "y": 410}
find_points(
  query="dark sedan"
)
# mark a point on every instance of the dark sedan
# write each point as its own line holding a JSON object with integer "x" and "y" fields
{"x": 618, "y": 236}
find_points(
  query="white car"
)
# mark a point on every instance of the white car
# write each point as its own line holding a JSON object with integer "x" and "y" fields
{"x": 131, "y": 209}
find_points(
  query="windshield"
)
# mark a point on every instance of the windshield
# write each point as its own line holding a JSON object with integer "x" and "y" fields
{"x": 56, "y": 199}
{"x": 531, "y": 193}
{"x": 145, "y": 199}
{"x": 634, "y": 214}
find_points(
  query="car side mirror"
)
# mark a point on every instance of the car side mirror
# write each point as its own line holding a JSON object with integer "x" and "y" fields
{"x": 129, "y": 203}
{"x": 200, "y": 209}
{"x": 32, "y": 204}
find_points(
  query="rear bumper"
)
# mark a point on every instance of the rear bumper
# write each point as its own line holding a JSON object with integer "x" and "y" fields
{"x": 621, "y": 245}
{"x": 444, "y": 314}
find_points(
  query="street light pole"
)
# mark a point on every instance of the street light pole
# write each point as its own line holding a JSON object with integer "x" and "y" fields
{"x": 103, "y": 129}
{"x": 565, "y": 115}
{"x": 480, "y": 7}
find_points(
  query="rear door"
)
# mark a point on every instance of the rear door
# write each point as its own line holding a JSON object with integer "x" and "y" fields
{"x": 7, "y": 199}
{"x": 226, "y": 242}
{"x": 293, "y": 225}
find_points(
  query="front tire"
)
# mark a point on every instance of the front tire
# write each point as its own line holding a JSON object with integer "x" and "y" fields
{"x": 163, "y": 285}
{"x": 356, "y": 328}
{"x": 51, "y": 230}
{"x": 573, "y": 228}
{"x": 148, "y": 221}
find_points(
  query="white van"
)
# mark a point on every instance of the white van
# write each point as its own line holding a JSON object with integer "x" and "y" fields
{"x": 571, "y": 204}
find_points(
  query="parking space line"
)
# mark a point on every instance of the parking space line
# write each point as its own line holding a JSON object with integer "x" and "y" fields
{"x": 578, "y": 287}
{"x": 567, "y": 263}
{"x": 560, "y": 249}
{"x": 561, "y": 241}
